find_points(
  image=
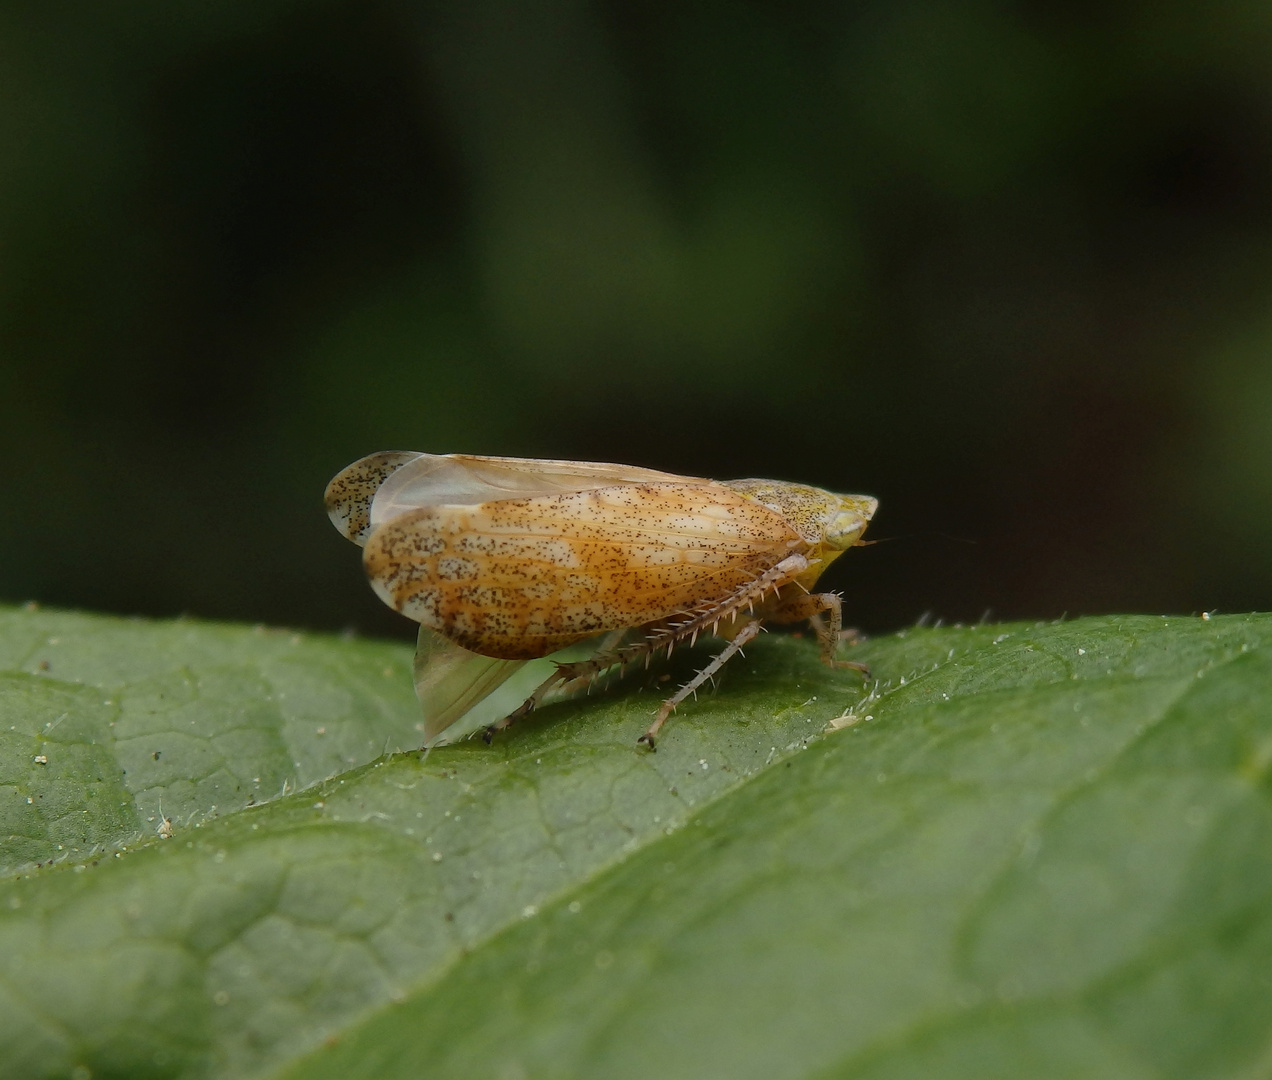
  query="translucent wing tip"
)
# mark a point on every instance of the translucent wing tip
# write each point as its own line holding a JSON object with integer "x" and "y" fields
{"x": 348, "y": 496}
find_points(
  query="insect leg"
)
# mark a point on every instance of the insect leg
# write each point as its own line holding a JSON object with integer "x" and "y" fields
{"x": 666, "y": 634}
{"x": 708, "y": 618}
{"x": 829, "y": 635}
{"x": 723, "y": 657}
{"x": 811, "y": 606}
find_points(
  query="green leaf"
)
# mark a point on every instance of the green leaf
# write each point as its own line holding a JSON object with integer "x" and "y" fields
{"x": 1028, "y": 851}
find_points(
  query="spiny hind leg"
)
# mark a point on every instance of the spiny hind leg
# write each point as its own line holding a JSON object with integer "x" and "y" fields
{"x": 829, "y": 630}
{"x": 747, "y": 633}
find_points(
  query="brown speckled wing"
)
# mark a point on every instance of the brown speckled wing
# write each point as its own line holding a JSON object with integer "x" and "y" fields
{"x": 521, "y": 578}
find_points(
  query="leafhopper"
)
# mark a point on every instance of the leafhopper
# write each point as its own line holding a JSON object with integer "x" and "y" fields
{"x": 505, "y": 560}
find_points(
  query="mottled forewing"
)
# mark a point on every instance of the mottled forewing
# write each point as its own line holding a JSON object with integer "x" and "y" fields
{"x": 352, "y": 489}
{"x": 520, "y": 578}
{"x": 468, "y": 480}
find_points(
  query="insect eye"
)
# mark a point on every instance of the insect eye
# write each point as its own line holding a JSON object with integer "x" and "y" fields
{"x": 851, "y": 521}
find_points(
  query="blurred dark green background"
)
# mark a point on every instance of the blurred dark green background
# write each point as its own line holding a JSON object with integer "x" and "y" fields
{"x": 1006, "y": 266}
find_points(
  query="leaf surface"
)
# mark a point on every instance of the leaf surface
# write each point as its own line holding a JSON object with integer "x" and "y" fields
{"x": 1031, "y": 850}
